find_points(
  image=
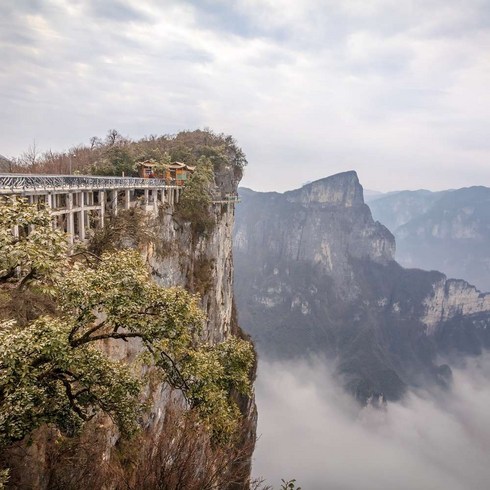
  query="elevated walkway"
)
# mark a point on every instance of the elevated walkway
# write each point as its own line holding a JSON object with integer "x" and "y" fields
{"x": 80, "y": 203}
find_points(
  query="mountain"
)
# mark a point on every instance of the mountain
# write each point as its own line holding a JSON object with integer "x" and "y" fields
{"x": 315, "y": 274}
{"x": 447, "y": 231}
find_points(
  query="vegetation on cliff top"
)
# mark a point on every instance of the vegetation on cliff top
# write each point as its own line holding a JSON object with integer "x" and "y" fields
{"x": 116, "y": 154}
{"x": 52, "y": 370}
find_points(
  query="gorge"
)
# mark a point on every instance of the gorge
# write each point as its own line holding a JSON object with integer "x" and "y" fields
{"x": 316, "y": 275}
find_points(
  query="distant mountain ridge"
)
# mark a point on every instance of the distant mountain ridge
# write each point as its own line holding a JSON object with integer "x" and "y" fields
{"x": 447, "y": 231}
{"x": 314, "y": 273}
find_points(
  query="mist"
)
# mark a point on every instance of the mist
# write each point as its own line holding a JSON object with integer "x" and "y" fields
{"x": 310, "y": 430}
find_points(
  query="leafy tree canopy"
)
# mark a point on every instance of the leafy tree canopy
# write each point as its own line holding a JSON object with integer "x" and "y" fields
{"x": 53, "y": 369}
{"x": 194, "y": 204}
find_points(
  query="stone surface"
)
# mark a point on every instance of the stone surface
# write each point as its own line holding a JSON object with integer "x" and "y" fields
{"x": 447, "y": 231}
{"x": 315, "y": 274}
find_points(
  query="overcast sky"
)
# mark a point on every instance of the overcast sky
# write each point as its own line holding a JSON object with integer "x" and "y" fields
{"x": 397, "y": 90}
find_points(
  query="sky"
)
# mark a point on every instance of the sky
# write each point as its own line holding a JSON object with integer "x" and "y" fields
{"x": 397, "y": 90}
{"x": 311, "y": 430}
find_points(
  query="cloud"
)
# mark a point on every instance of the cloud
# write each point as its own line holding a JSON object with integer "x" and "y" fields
{"x": 312, "y": 431}
{"x": 117, "y": 11}
{"x": 397, "y": 91}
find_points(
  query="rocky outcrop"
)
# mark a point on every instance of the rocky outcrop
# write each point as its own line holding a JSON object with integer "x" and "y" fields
{"x": 316, "y": 274}
{"x": 452, "y": 298}
{"x": 447, "y": 231}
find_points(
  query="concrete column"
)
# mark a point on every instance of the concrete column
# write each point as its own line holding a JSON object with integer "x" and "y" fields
{"x": 114, "y": 202}
{"x": 102, "y": 208}
{"x": 49, "y": 201}
{"x": 155, "y": 199}
{"x": 146, "y": 199}
{"x": 127, "y": 201}
{"x": 162, "y": 195}
{"x": 71, "y": 221}
{"x": 82, "y": 216}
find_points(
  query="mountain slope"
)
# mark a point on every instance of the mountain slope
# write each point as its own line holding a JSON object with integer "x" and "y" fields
{"x": 447, "y": 231}
{"x": 316, "y": 274}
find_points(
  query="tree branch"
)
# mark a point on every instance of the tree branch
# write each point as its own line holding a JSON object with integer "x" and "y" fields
{"x": 112, "y": 335}
{"x": 86, "y": 336}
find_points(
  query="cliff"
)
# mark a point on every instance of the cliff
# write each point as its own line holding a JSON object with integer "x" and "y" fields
{"x": 201, "y": 262}
{"x": 316, "y": 274}
{"x": 447, "y": 231}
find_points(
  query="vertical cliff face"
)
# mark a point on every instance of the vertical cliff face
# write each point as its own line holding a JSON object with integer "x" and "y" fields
{"x": 176, "y": 256}
{"x": 316, "y": 274}
{"x": 202, "y": 264}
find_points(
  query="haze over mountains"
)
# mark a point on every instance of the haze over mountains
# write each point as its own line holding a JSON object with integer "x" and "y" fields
{"x": 447, "y": 231}
{"x": 315, "y": 274}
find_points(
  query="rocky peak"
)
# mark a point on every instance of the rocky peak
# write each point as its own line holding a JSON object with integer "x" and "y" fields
{"x": 315, "y": 273}
{"x": 341, "y": 189}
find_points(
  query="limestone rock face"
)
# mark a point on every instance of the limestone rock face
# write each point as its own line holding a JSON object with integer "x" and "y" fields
{"x": 451, "y": 298}
{"x": 203, "y": 264}
{"x": 316, "y": 274}
{"x": 340, "y": 190}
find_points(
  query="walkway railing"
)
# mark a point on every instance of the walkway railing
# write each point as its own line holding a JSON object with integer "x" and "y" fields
{"x": 226, "y": 199}
{"x": 26, "y": 182}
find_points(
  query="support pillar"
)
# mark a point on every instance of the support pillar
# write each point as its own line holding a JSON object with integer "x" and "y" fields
{"x": 162, "y": 196}
{"x": 82, "y": 216}
{"x": 155, "y": 199}
{"x": 102, "y": 208}
{"x": 127, "y": 201}
{"x": 114, "y": 202}
{"x": 146, "y": 199}
{"x": 71, "y": 220}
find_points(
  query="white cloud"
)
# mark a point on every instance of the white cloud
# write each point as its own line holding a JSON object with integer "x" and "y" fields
{"x": 312, "y": 431}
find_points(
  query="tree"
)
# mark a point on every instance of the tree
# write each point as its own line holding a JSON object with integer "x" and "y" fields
{"x": 194, "y": 205}
{"x": 53, "y": 369}
{"x": 30, "y": 249}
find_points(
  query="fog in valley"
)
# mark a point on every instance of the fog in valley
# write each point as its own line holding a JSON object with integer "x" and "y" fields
{"x": 309, "y": 429}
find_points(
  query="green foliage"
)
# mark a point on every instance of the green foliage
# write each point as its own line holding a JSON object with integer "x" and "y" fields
{"x": 43, "y": 379}
{"x": 4, "y": 478}
{"x": 116, "y": 160}
{"x": 195, "y": 203}
{"x": 52, "y": 370}
{"x": 38, "y": 252}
